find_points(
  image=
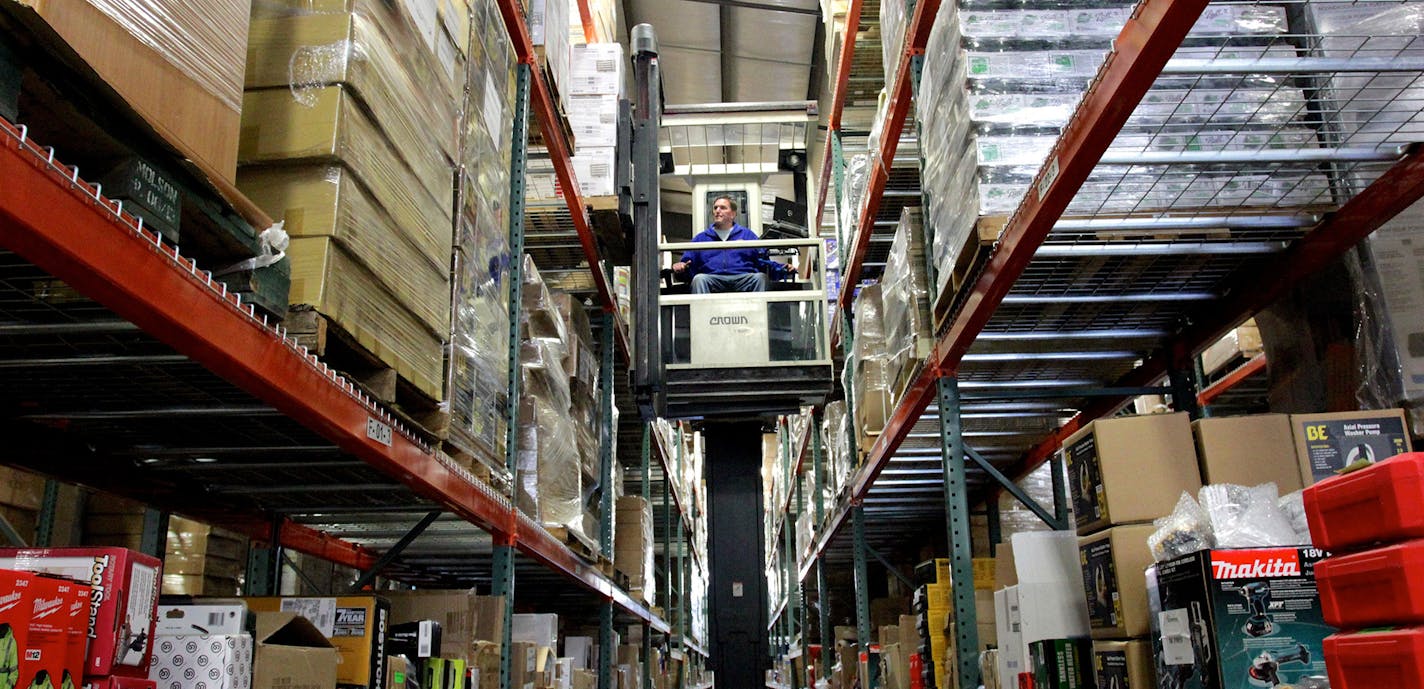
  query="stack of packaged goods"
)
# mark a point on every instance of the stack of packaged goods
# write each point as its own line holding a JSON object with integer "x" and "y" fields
{"x": 478, "y": 384}
{"x": 595, "y": 84}
{"x": 905, "y": 297}
{"x": 548, "y": 475}
{"x": 868, "y": 373}
{"x": 349, "y": 135}
{"x": 581, "y": 365}
{"x": 549, "y": 32}
{"x": 633, "y": 546}
{"x": 1372, "y": 588}
{"x": 1007, "y": 80}
{"x": 836, "y": 432}
{"x": 198, "y": 559}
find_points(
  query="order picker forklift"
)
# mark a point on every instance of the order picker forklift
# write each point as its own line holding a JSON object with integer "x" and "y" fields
{"x": 730, "y": 355}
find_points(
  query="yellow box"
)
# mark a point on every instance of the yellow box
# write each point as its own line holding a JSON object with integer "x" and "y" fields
{"x": 939, "y": 596}
{"x": 324, "y": 276}
{"x": 984, "y": 568}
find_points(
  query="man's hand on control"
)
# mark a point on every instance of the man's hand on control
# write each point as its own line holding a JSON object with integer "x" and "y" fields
{"x": 679, "y": 267}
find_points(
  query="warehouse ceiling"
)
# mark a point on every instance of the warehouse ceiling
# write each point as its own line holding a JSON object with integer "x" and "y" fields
{"x": 734, "y": 50}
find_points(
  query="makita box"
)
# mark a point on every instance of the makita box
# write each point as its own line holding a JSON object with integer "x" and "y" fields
{"x": 356, "y": 625}
{"x": 1229, "y": 619}
{"x": 123, "y": 601}
{"x": 46, "y": 651}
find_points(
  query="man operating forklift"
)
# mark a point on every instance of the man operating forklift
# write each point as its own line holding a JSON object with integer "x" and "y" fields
{"x": 728, "y": 270}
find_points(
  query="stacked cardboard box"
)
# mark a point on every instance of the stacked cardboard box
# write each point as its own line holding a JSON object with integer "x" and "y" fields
{"x": 1114, "y": 508}
{"x": 178, "y": 64}
{"x": 202, "y": 645}
{"x": 905, "y": 295}
{"x": 1045, "y": 603}
{"x": 581, "y": 365}
{"x": 868, "y": 369}
{"x": 354, "y": 625}
{"x": 478, "y": 383}
{"x": 633, "y": 546}
{"x": 199, "y": 559}
{"x": 350, "y": 134}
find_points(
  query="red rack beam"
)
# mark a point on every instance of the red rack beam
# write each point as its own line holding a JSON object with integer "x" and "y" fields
{"x": 1253, "y": 366}
{"x": 917, "y": 34}
{"x": 301, "y": 538}
{"x": 586, "y": 17}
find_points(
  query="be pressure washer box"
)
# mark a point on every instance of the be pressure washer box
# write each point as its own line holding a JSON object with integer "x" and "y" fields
{"x": 1237, "y": 619}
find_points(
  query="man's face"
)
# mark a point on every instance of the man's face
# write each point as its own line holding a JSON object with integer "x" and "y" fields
{"x": 722, "y": 213}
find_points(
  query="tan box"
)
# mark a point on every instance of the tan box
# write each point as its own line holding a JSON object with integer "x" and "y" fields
{"x": 355, "y": 626}
{"x": 396, "y": 669}
{"x": 152, "y": 65}
{"x": 292, "y": 654}
{"x": 1247, "y": 451}
{"x": 1113, "y": 583}
{"x": 1124, "y": 664}
{"x": 412, "y": 264}
{"x": 1244, "y": 340}
{"x": 465, "y": 619}
{"x": 326, "y": 277}
{"x": 1130, "y": 469}
{"x": 523, "y": 668}
{"x": 1327, "y": 443}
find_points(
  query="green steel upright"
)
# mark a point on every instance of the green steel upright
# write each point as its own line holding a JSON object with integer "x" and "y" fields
{"x": 502, "y": 577}
{"x": 606, "y": 435}
{"x": 956, "y": 509}
{"x": 862, "y": 599}
{"x": 823, "y": 600}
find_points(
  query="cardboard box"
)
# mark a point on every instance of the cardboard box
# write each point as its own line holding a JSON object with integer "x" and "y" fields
{"x": 396, "y": 669}
{"x": 355, "y": 625}
{"x": 1113, "y": 563}
{"x": 292, "y": 654}
{"x": 1107, "y": 462}
{"x": 1124, "y": 665}
{"x": 1243, "y": 340}
{"x": 152, "y": 64}
{"x": 1327, "y": 443}
{"x": 220, "y": 660}
{"x": 594, "y": 119}
{"x": 1217, "y": 614}
{"x": 542, "y": 630}
{"x": 123, "y": 606}
{"x": 596, "y": 69}
{"x": 594, "y": 169}
{"x": 78, "y": 627}
{"x": 16, "y": 605}
{"x": 523, "y": 668}
{"x": 1029, "y": 612}
{"x": 1247, "y": 451}
{"x": 464, "y": 617}
{"x": 1062, "y": 664}
{"x": 484, "y": 669}
{"x": 44, "y": 655}
{"x": 580, "y": 649}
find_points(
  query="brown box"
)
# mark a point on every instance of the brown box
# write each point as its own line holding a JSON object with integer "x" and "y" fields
{"x": 1130, "y": 469}
{"x": 355, "y": 626}
{"x": 396, "y": 669}
{"x": 523, "y": 669}
{"x": 151, "y": 65}
{"x": 465, "y": 618}
{"x": 1124, "y": 664}
{"x": 1247, "y": 451}
{"x": 1327, "y": 443}
{"x": 1113, "y": 583}
{"x": 292, "y": 654}
{"x": 1243, "y": 340}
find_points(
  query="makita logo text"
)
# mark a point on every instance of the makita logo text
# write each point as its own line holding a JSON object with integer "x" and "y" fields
{"x": 1257, "y": 566}
{"x": 96, "y": 598}
{"x": 46, "y": 607}
{"x": 728, "y": 320}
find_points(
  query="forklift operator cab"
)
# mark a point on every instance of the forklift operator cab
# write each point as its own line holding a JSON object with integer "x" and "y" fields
{"x": 746, "y": 353}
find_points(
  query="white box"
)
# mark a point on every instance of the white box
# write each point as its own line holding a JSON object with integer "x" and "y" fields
{"x": 539, "y": 629}
{"x": 594, "y": 169}
{"x": 1007, "y": 624}
{"x": 187, "y": 620}
{"x": 1042, "y": 557}
{"x": 580, "y": 649}
{"x": 596, "y": 69}
{"x": 1030, "y": 612}
{"x": 206, "y": 661}
{"x": 594, "y": 119}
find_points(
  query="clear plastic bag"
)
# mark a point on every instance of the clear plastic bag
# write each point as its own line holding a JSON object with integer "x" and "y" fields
{"x": 1186, "y": 530}
{"x": 1243, "y": 517}
{"x": 1292, "y": 505}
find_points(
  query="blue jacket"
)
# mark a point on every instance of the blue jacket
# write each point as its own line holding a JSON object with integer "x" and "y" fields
{"x": 730, "y": 261}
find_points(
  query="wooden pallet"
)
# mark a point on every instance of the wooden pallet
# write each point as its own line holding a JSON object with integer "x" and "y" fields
{"x": 341, "y": 351}
{"x": 972, "y": 257}
{"x": 582, "y": 545}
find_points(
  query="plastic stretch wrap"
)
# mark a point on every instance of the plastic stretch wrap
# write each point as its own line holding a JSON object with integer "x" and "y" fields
{"x": 905, "y": 295}
{"x": 835, "y": 434}
{"x": 328, "y": 278}
{"x": 892, "y": 35}
{"x": 1102, "y": 25}
{"x": 857, "y": 174}
{"x": 1388, "y": 272}
{"x": 1243, "y": 517}
{"x": 1292, "y": 505}
{"x": 1374, "y": 108}
{"x": 203, "y": 40}
{"x": 540, "y": 316}
{"x": 1014, "y": 517}
{"x": 336, "y": 128}
{"x": 373, "y": 53}
{"x": 490, "y": 82}
{"x": 547, "y": 438}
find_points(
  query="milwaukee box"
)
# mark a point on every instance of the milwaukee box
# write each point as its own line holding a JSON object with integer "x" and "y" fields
{"x": 78, "y": 625}
{"x": 124, "y": 597}
{"x": 355, "y": 625}
{"x": 16, "y": 605}
{"x": 1376, "y": 659}
{"x": 1380, "y": 503}
{"x": 46, "y": 650}
{"x": 1377, "y": 587}
{"x": 1225, "y": 619}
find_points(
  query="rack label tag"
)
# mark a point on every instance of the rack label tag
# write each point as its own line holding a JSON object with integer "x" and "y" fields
{"x": 1050, "y": 175}
{"x": 377, "y": 431}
